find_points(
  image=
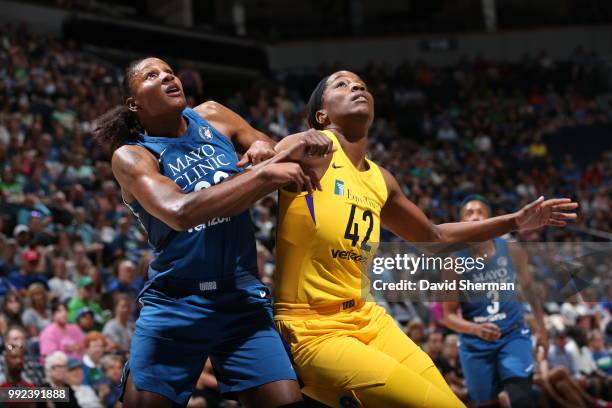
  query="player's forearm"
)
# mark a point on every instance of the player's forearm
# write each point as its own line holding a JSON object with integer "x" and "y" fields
{"x": 476, "y": 231}
{"x": 226, "y": 199}
{"x": 532, "y": 296}
{"x": 457, "y": 323}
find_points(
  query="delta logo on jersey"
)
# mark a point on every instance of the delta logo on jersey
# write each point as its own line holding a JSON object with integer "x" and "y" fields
{"x": 205, "y": 133}
{"x": 339, "y": 188}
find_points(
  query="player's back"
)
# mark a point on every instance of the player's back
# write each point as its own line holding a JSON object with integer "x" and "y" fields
{"x": 220, "y": 248}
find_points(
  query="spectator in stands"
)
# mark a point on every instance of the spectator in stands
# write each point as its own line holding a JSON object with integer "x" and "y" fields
{"x": 61, "y": 286}
{"x": 433, "y": 345}
{"x": 85, "y": 320}
{"x": 126, "y": 280}
{"x": 38, "y": 315}
{"x": 416, "y": 331}
{"x": 95, "y": 347}
{"x": 109, "y": 388}
{"x": 557, "y": 354}
{"x": 61, "y": 335}
{"x": 120, "y": 328}
{"x": 32, "y": 370}
{"x": 84, "y": 393}
{"x": 29, "y": 271}
{"x": 601, "y": 352}
{"x": 11, "y": 312}
{"x": 56, "y": 373}
{"x": 449, "y": 365}
{"x": 85, "y": 298}
{"x": 14, "y": 361}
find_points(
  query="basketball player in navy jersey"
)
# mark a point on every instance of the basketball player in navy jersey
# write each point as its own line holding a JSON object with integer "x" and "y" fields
{"x": 495, "y": 346}
{"x": 180, "y": 175}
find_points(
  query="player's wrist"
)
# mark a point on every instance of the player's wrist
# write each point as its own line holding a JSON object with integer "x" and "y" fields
{"x": 513, "y": 221}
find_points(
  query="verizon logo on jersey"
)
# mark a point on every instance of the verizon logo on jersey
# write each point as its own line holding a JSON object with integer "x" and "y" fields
{"x": 349, "y": 256}
{"x": 210, "y": 223}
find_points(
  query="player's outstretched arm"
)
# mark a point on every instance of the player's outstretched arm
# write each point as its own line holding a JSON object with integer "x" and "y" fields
{"x": 138, "y": 174}
{"x": 406, "y": 220}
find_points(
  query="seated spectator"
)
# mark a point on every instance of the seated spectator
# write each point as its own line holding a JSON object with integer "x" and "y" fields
{"x": 32, "y": 370}
{"x": 416, "y": 331}
{"x": 11, "y": 312}
{"x": 85, "y": 395}
{"x": 61, "y": 335}
{"x": 601, "y": 353}
{"x": 120, "y": 329}
{"x": 56, "y": 373}
{"x": 85, "y": 320}
{"x": 85, "y": 298}
{"x": 95, "y": 346}
{"x": 14, "y": 361}
{"x": 433, "y": 345}
{"x": 29, "y": 271}
{"x": 126, "y": 280}
{"x": 109, "y": 388}
{"x": 60, "y": 285}
{"x": 558, "y": 355}
{"x": 37, "y": 316}
{"x": 450, "y": 367}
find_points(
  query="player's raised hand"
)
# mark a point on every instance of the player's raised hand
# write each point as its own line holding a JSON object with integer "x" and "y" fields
{"x": 259, "y": 151}
{"x": 310, "y": 144}
{"x": 487, "y": 331}
{"x": 541, "y": 213}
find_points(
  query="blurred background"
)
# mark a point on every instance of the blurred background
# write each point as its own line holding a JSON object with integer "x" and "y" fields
{"x": 507, "y": 98}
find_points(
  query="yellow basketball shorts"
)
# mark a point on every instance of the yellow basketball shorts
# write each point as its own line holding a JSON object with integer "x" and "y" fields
{"x": 334, "y": 355}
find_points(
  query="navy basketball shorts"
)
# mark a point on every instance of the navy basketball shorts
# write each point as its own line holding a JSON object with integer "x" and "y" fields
{"x": 487, "y": 364}
{"x": 175, "y": 335}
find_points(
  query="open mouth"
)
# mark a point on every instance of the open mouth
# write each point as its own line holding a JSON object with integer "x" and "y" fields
{"x": 360, "y": 97}
{"x": 173, "y": 90}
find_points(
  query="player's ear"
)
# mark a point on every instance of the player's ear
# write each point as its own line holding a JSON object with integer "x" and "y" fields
{"x": 132, "y": 104}
{"x": 321, "y": 117}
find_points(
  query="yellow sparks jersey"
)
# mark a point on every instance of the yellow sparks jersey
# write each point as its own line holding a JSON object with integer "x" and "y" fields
{"x": 326, "y": 240}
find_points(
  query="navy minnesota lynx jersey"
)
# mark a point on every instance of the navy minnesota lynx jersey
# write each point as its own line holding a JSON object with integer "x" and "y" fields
{"x": 502, "y": 308}
{"x": 219, "y": 248}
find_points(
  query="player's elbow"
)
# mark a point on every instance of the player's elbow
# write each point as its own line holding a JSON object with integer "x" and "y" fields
{"x": 179, "y": 217}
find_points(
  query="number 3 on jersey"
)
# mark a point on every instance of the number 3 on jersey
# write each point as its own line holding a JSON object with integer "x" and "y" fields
{"x": 352, "y": 228}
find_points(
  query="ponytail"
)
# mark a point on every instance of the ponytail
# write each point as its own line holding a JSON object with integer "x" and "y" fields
{"x": 119, "y": 125}
{"x": 116, "y": 127}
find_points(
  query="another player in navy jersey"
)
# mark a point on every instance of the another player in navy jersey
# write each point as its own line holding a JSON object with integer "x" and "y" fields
{"x": 495, "y": 349}
{"x": 180, "y": 175}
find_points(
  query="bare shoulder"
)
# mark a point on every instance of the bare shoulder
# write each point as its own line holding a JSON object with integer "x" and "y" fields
{"x": 390, "y": 180}
{"x": 128, "y": 161}
{"x": 211, "y": 110}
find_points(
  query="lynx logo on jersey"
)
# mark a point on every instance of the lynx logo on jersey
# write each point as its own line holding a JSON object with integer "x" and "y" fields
{"x": 339, "y": 188}
{"x": 205, "y": 133}
{"x": 502, "y": 261}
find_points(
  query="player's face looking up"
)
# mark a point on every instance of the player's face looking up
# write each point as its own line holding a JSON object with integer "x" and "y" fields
{"x": 155, "y": 90}
{"x": 475, "y": 211}
{"x": 346, "y": 97}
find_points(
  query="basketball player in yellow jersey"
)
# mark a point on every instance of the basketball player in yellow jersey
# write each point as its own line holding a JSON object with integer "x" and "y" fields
{"x": 347, "y": 351}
